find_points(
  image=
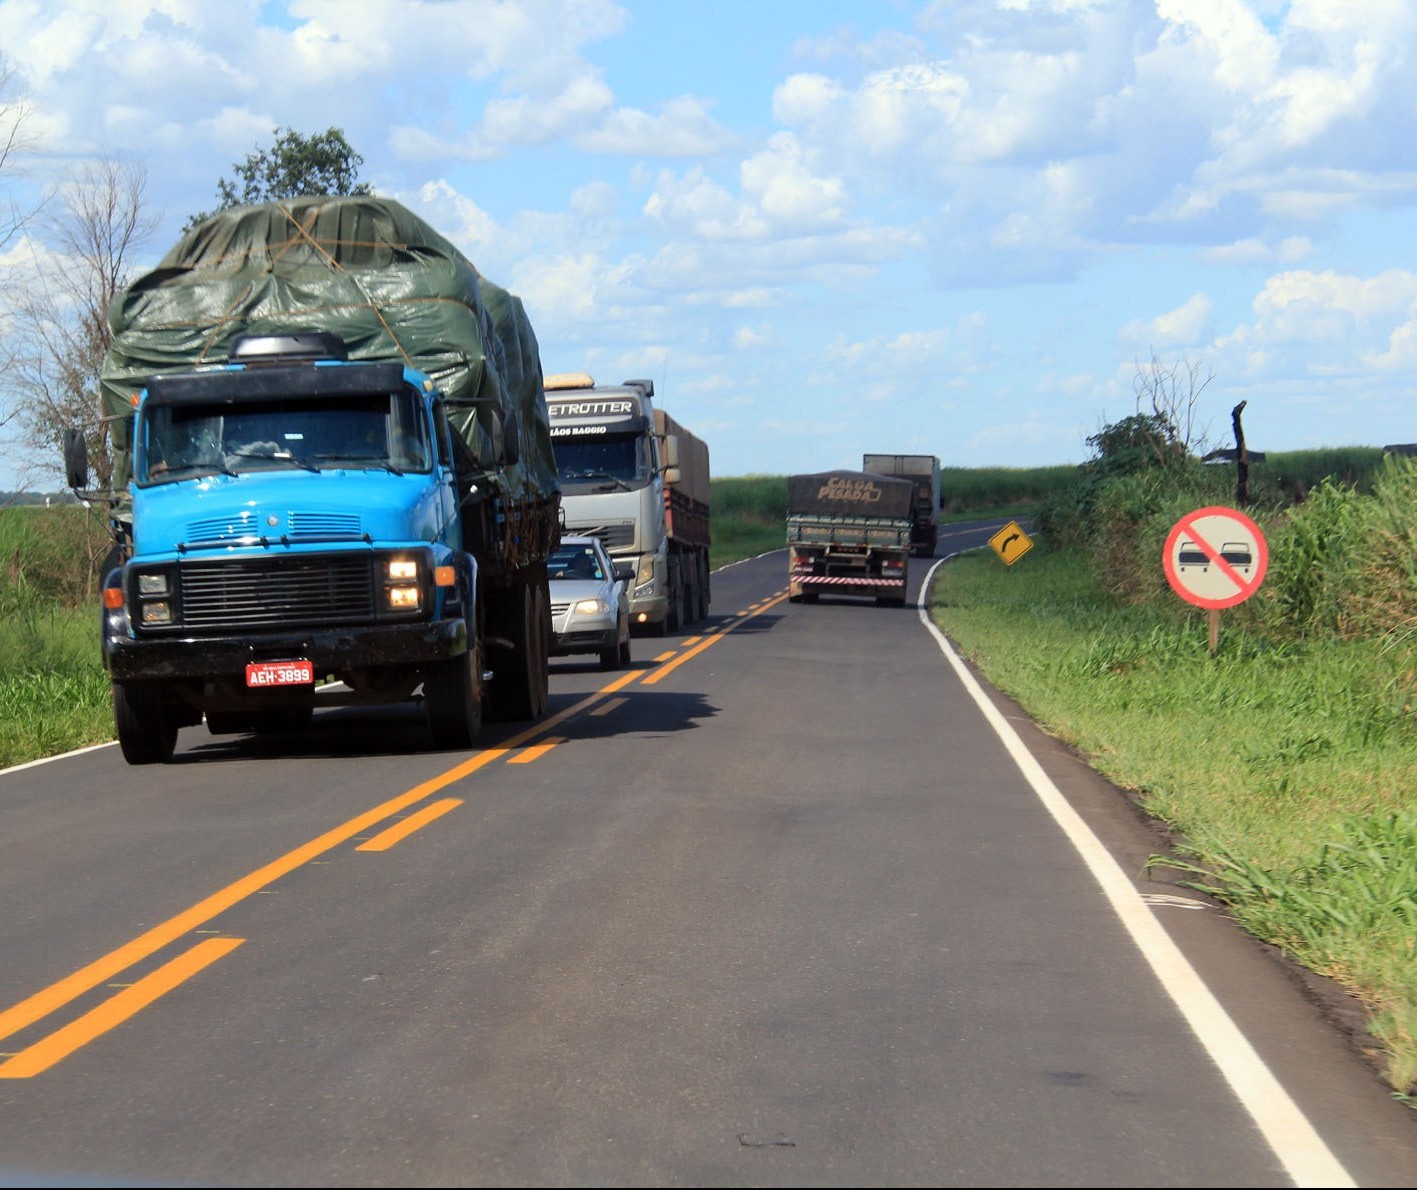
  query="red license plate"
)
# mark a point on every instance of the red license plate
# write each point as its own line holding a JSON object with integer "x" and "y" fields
{"x": 280, "y": 673}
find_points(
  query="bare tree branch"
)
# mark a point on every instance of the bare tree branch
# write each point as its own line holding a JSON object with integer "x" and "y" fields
{"x": 62, "y": 317}
{"x": 1171, "y": 394}
{"x": 14, "y": 142}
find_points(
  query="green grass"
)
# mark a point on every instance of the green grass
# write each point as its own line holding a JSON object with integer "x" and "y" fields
{"x": 54, "y": 693}
{"x": 749, "y": 517}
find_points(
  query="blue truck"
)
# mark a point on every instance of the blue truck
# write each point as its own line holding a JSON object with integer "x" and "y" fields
{"x": 333, "y": 481}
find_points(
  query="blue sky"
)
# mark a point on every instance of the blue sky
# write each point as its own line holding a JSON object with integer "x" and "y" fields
{"x": 828, "y": 227}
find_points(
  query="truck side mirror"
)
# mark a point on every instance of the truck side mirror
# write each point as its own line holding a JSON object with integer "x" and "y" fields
{"x": 669, "y": 453}
{"x": 76, "y": 458}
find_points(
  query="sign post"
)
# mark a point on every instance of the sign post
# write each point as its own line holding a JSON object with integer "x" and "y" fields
{"x": 1215, "y": 557}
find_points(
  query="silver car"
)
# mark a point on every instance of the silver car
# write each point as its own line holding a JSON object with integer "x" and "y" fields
{"x": 590, "y": 602}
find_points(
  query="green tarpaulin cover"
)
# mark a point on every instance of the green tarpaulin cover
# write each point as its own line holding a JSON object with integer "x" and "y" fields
{"x": 365, "y": 268}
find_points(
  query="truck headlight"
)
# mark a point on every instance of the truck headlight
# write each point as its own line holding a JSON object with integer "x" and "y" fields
{"x": 403, "y": 592}
{"x": 152, "y": 584}
{"x": 157, "y": 611}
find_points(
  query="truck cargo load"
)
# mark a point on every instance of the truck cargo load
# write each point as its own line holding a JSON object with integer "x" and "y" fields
{"x": 848, "y": 533}
{"x": 368, "y": 270}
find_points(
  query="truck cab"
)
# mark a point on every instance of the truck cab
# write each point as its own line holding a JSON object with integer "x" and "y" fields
{"x": 293, "y": 518}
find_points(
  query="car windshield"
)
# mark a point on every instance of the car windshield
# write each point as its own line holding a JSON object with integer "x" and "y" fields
{"x": 575, "y": 561}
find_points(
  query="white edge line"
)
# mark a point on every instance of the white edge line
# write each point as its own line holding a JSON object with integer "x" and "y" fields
{"x": 1298, "y": 1146}
{"x": 29, "y": 764}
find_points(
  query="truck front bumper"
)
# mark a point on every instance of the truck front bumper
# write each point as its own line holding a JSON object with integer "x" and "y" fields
{"x": 330, "y": 650}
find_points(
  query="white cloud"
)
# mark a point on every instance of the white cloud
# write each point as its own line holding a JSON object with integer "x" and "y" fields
{"x": 755, "y": 337}
{"x": 787, "y": 191}
{"x": 684, "y": 129}
{"x": 1186, "y": 326}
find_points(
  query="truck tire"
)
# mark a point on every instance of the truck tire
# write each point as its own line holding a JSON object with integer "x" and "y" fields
{"x": 675, "y": 602}
{"x": 704, "y": 587}
{"x": 147, "y": 728}
{"x": 452, "y": 699}
{"x": 521, "y": 685}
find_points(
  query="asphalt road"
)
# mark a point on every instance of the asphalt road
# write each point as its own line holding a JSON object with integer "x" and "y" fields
{"x": 791, "y": 902}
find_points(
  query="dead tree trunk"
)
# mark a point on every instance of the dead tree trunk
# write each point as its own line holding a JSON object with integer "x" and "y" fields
{"x": 1242, "y": 462}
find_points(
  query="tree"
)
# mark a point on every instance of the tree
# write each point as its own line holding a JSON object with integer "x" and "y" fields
{"x": 295, "y": 166}
{"x": 62, "y": 316}
{"x": 14, "y": 142}
{"x": 1162, "y": 432}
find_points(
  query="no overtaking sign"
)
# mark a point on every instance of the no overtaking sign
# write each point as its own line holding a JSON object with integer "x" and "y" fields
{"x": 1215, "y": 557}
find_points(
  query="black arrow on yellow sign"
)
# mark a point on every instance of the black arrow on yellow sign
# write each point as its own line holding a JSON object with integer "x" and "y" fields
{"x": 1011, "y": 543}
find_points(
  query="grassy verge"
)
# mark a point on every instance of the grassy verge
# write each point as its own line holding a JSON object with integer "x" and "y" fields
{"x": 54, "y": 694}
{"x": 1303, "y": 824}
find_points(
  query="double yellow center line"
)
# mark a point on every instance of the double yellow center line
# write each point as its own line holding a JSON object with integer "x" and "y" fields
{"x": 133, "y": 997}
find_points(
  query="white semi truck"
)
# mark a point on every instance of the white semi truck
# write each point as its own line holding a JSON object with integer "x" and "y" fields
{"x": 924, "y": 472}
{"x": 638, "y": 480}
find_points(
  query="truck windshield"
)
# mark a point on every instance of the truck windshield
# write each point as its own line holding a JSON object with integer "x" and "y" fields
{"x": 617, "y": 461}
{"x": 376, "y": 431}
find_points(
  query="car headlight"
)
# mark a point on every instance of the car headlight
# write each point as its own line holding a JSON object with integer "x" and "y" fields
{"x": 591, "y": 607}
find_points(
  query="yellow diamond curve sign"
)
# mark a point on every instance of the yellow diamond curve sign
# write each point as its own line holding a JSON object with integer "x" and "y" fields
{"x": 1011, "y": 543}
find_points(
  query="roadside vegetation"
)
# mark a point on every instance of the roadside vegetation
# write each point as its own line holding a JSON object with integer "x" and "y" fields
{"x": 1303, "y": 825}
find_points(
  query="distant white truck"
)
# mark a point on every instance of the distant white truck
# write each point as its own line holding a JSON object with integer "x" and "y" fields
{"x": 639, "y": 481}
{"x": 924, "y": 472}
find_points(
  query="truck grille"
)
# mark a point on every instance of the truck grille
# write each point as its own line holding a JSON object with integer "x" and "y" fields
{"x": 618, "y": 535}
{"x": 277, "y": 592}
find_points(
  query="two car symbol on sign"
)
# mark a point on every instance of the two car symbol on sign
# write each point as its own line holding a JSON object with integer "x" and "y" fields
{"x": 1237, "y": 553}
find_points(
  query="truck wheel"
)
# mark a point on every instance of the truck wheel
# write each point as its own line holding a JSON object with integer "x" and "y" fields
{"x": 452, "y": 698}
{"x": 147, "y": 729}
{"x": 542, "y": 672}
{"x": 521, "y": 687}
{"x": 673, "y": 619}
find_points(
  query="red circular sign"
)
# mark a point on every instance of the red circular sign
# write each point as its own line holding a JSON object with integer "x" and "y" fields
{"x": 1215, "y": 557}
